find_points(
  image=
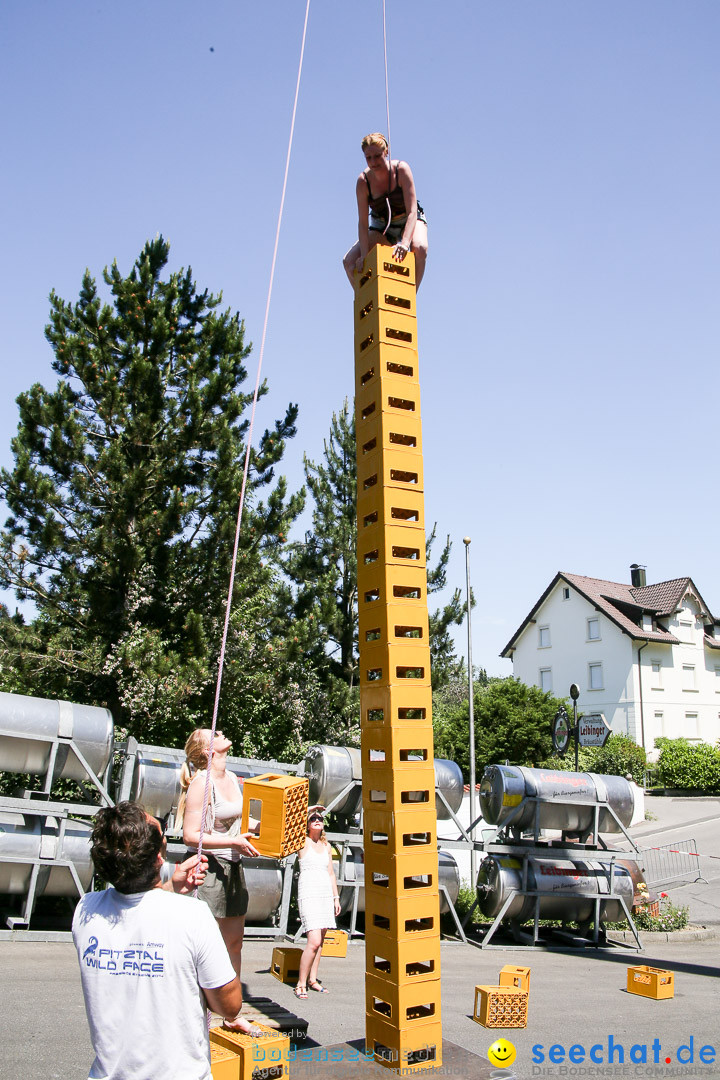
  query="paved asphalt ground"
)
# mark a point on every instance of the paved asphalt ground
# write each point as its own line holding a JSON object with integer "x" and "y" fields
{"x": 578, "y": 998}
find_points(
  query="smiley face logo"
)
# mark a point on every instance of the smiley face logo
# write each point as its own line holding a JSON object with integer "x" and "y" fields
{"x": 502, "y": 1052}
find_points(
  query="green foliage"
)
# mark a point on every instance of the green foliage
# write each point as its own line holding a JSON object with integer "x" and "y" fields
{"x": 123, "y": 500}
{"x": 512, "y": 722}
{"x": 692, "y": 767}
{"x": 620, "y": 756}
{"x": 465, "y": 900}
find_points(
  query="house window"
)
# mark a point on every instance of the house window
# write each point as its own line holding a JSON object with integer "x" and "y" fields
{"x": 595, "y": 677}
{"x": 546, "y": 679}
{"x": 543, "y": 637}
{"x": 691, "y": 726}
{"x": 656, "y": 680}
{"x": 685, "y": 632}
{"x": 659, "y": 724}
{"x": 566, "y": 594}
{"x": 688, "y": 676}
{"x": 593, "y": 629}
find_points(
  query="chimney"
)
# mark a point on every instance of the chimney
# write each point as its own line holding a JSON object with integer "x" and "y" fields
{"x": 637, "y": 576}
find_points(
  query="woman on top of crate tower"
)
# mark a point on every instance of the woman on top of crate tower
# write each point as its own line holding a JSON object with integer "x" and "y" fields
{"x": 388, "y": 210}
{"x": 318, "y": 899}
{"x": 224, "y": 889}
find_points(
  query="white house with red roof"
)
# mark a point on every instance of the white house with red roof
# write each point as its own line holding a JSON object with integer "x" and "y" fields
{"x": 647, "y": 656}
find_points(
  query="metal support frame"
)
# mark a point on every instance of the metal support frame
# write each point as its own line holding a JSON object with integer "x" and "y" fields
{"x": 68, "y": 742}
{"x": 595, "y": 841}
{"x": 41, "y": 866}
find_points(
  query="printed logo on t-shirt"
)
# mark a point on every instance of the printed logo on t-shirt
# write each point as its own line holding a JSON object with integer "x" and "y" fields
{"x": 145, "y": 959}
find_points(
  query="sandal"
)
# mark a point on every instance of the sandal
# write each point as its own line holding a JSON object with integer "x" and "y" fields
{"x": 318, "y": 987}
{"x": 300, "y": 991}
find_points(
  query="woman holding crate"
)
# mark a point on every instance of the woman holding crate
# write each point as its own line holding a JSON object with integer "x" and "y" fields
{"x": 318, "y": 900}
{"x": 224, "y": 889}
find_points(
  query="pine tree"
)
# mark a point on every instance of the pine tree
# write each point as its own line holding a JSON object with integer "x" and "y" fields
{"x": 124, "y": 493}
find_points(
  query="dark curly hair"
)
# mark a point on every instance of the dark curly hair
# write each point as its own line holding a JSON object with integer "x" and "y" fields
{"x": 125, "y": 845}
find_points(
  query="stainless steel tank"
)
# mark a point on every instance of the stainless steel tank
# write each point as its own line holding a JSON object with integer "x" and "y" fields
{"x": 448, "y": 875}
{"x": 156, "y": 778}
{"x": 504, "y": 788}
{"x": 23, "y": 722}
{"x": 331, "y": 768}
{"x": 560, "y": 881}
{"x": 32, "y": 837}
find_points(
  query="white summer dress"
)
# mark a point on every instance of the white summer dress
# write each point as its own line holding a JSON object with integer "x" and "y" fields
{"x": 315, "y": 897}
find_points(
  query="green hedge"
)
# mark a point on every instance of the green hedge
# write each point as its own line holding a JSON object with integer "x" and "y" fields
{"x": 688, "y": 766}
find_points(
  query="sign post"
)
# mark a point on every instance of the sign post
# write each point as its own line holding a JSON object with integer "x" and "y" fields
{"x": 575, "y": 694}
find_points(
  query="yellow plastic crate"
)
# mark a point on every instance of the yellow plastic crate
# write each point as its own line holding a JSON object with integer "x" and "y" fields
{"x": 269, "y": 1051}
{"x": 395, "y": 664}
{"x": 404, "y": 747}
{"x": 396, "y": 467}
{"x": 515, "y": 976}
{"x": 409, "y": 1049}
{"x": 396, "y": 705}
{"x": 393, "y": 293}
{"x": 405, "y": 789}
{"x": 390, "y": 432}
{"x": 390, "y": 505}
{"x": 393, "y": 395}
{"x": 650, "y": 982}
{"x": 335, "y": 943}
{"x": 501, "y": 1007}
{"x": 224, "y": 1064}
{"x": 405, "y": 1004}
{"x": 379, "y": 263}
{"x": 385, "y": 360}
{"x": 414, "y": 874}
{"x": 401, "y": 545}
{"x": 380, "y": 584}
{"x": 403, "y": 918}
{"x": 280, "y": 803}
{"x": 400, "y": 832}
{"x": 402, "y": 961}
{"x": 285, "y": 964}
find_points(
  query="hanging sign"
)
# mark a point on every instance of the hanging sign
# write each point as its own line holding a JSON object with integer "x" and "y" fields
{"x": 593, "y": 730}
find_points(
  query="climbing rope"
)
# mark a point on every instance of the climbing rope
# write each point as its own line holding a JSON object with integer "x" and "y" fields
{"x": 387, "y": 113}
{"x": 228, "y": 605}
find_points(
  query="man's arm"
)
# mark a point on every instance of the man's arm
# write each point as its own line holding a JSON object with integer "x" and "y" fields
{"x": 187, "y": 875}
{"x": 225, "y": 1000}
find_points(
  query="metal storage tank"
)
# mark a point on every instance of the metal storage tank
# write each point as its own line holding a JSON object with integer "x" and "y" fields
{"x": 32, "y": 836}
{"x": 505, "y": 787}
{"x": 156, "y": 778}
{"x": 24, "y": 720}
{"x": 562, "y": 880}
{"x": 331, "y": 768}
{"x": 448, "y": 875}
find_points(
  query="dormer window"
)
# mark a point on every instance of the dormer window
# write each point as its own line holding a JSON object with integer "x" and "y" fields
{"x": 647, "y": 622}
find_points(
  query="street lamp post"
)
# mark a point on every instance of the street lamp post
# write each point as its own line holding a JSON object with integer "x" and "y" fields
{"x": 466, "y": 542}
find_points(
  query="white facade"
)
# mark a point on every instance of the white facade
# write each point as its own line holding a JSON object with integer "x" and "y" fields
{"x": 645, "y": 687}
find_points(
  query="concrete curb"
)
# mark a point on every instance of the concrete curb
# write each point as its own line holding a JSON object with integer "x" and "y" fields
{"x": 693, "y": 933}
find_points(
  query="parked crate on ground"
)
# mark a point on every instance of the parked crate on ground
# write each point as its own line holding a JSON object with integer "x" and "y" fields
{"x": 285, "y": 964}
{"x": 501, "y": 1006}
{"x": 650, "y": 982}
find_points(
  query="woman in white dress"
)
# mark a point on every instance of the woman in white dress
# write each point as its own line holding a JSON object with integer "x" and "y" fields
{"x": 317, "y": 899}
{"x": 224, "y": 889}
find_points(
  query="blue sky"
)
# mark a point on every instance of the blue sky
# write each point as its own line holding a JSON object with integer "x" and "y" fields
{"x": 567, "y": 157}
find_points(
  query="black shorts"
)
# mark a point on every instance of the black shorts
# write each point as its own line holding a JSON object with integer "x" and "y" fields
{"x": 224, "y": 889}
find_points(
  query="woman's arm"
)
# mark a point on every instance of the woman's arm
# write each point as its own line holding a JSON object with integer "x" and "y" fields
{"x": 333, "y": 882}
{"x": 363, "y": 205}
{"x": 407, "y": 186}
{"x": 193, "y": 820}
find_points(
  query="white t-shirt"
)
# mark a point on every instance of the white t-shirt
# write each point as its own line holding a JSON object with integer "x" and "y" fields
{"x": 143, "y": 957}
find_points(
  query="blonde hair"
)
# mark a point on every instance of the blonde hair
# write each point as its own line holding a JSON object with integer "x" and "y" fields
{"x": 196, "y": 755}
{"x": 375, "y": 138}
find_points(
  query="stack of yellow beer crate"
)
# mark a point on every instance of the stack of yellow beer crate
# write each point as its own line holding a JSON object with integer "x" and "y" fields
{"x": 401, "y": 864}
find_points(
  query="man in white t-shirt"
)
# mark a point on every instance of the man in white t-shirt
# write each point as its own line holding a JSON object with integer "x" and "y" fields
{"x": 147, "y": 957}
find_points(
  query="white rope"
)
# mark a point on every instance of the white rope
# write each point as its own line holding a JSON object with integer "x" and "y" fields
{"x": 228, "y": 606}
{"x": 387, "y": 112}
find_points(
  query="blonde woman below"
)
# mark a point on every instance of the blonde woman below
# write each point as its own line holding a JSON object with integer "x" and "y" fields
{"x": 388, "y": 210}
{"x": 224, "y": 889}
{"x": 318, "y": 900}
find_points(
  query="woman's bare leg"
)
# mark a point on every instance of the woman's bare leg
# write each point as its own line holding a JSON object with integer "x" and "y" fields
{"x": 419, "y": 248}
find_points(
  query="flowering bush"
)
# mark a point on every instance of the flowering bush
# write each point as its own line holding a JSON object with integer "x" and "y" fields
{"x": 671, "y": 917}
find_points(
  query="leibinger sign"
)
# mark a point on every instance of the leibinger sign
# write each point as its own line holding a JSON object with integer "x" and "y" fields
{"x": 593, "y": 730}
{"x": 612, "y": 1058}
